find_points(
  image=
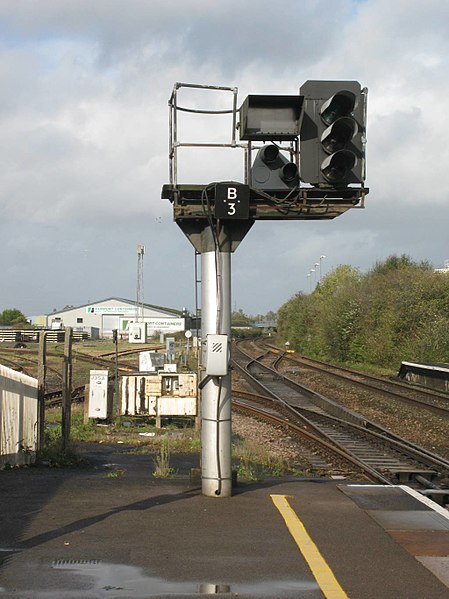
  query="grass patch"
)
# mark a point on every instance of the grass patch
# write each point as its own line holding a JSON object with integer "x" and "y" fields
{"x": 255, "y": 462}
{"x": 371, "y": 369}
{"x": 116, "y": 473}
{"x": 180, "y": 436}
{"x": 53, "y": 454}
{"x": 162, "y": 467}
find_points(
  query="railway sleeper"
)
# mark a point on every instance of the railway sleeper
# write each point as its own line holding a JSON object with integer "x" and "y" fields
{"x": 440, "y": 496}
{"x": 406, "y": 475}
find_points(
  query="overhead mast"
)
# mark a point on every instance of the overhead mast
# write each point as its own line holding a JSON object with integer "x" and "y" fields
{"x": 140, "y": 293}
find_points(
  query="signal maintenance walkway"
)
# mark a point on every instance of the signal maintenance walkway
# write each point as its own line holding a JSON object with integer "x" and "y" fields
{"x": 112, "y": 530}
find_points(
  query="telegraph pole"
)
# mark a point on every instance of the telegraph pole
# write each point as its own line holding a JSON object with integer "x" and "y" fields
{"x": 140, "y": 288}
{"x": 66, "y": 418}
{"x": 41, "y": 376}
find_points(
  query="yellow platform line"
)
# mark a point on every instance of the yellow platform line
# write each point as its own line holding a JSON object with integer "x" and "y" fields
{"x": 317, "y": 564}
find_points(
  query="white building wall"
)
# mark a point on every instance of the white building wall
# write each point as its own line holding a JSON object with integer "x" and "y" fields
{"x": 104, "y": 315}
{"x": 445, "y": 268}
{"x": 18, "y": 417}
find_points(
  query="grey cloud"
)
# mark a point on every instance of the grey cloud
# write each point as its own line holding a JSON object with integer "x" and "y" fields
{"x": 85, "y": 152}
{"x": 230, "y": 34}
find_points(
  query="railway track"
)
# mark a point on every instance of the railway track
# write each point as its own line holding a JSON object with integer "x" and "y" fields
{"x": 377, "y": 452}
{"x": 16, "y": 361}
{"x": 15, "y": 365}
{"x": 16, "y": 358}
{"x": 135, "y": 350}
{"x": 105, "y": 360}
{"x": 424, "y": 398}
{"x": 101, "y": 361}
{"x": 54, "y": 398}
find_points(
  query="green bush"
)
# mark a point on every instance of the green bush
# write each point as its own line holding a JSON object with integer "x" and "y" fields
{"x": 397, "y": 311}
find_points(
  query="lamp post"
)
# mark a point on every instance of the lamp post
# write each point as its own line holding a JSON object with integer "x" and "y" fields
{"x": 311, "y": 271}
{"x": 310, "y": 285}
{"x": 321, "y": 259}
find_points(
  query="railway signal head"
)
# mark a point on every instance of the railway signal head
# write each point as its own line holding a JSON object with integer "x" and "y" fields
{"x": 270, "y": 118}
{"x": 333, "y": 133}
{"x": 272, "y": 171}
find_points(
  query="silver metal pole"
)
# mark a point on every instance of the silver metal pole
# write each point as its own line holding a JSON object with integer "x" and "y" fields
{"x": 216, "y": 393}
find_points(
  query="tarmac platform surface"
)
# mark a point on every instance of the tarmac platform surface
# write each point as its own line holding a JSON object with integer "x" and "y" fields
{"x": 112, "y": 530}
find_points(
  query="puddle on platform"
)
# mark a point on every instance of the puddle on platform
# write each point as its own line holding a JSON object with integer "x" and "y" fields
{"x": 131, "y": 582}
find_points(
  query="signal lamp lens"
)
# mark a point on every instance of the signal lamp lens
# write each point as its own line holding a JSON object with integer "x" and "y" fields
{"x": 269, "y": 153}
{"x": 339, "y": 105}
{"x": 338, "y": 135}
{"x": 336, "y": 167}
{"x": 289, "y": 172}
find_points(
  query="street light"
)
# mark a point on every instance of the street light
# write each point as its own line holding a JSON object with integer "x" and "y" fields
{"x": 311, "y": 271}
{"x": 310, "y": 286}
{"x": 321, "y": 259}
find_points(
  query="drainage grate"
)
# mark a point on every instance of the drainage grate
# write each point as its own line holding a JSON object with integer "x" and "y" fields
{"x": 74, "y": 563}
{"x": 214, "y": 589}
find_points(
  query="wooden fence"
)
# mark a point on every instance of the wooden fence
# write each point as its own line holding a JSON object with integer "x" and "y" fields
{"x": 18, "y": 418}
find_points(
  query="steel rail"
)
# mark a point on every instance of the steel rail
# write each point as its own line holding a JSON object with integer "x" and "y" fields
{"x": 318, "y": 435}
{"x": 395, "y": 442}
{"x": 54, "y": 398}
{"x": 379, "y": 432}
{"x": 54, "y": 354}
{"x": 379, "y": 385}
{"x": 329, "y": 446}
{"x": 125, "y": 352}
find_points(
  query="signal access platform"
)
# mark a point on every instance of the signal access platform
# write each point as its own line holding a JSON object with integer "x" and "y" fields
{"x": 310, "y": 161}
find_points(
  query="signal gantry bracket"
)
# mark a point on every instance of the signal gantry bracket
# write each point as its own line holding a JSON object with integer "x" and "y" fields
{"x": 309, "y": 170}
{"x": 303, "y": 203}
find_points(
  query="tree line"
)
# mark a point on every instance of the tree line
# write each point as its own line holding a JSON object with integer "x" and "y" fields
{"x": 13, "y": 317}
{"x": 397, "y": 311}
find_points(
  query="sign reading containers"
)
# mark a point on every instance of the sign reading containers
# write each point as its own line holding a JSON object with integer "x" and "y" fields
{"x": 153, "y": 324}
{"x": 110, "y": 309}
{"x": 168, "y": 324}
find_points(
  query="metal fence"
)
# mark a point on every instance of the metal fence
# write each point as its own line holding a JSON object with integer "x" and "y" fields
{"x": 18, "y": 418}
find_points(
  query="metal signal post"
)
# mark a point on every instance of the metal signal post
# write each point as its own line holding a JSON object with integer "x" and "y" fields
{"x": 215, "y": 239}
{"x": 310, "y": 165}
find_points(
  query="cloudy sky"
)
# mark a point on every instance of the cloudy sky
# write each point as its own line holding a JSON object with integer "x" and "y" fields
{"x": 84, "y": 140}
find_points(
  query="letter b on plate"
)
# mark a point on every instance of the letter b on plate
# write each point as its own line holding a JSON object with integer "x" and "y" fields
{"x": 231, "y": 201}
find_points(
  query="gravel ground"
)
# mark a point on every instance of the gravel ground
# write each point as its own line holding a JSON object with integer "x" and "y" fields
{"x": 262, "y": 434}
{"x": 419, "y": 426}
{"x": 298, "y": 453}
{"x": 268, "y": 437}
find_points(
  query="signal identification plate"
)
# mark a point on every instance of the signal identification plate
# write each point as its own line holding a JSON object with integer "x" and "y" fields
{"x": 231, "y": 201}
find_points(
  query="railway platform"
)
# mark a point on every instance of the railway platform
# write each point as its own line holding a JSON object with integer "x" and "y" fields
{"x": 112, "y": 530}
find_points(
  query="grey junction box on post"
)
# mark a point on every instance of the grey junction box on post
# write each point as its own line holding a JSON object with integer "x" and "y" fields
{"x": 217, "y": 355}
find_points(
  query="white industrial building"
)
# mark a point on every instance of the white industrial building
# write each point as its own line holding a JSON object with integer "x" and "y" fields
{"x": 445, "y": 268}
{"x": 102, "y": 317}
